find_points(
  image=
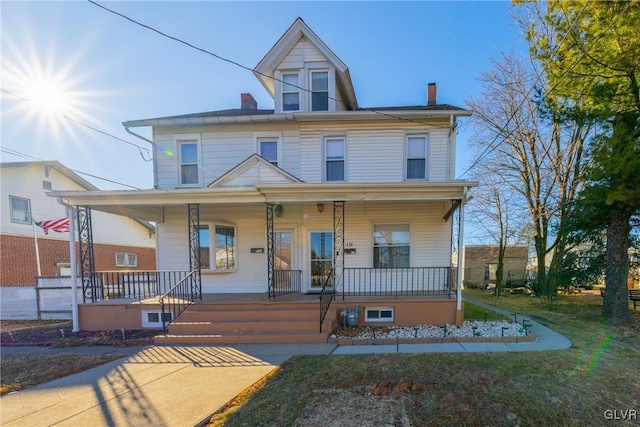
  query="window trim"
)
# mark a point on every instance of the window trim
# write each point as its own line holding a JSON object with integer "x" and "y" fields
{"x": 259, "y": 137}
{"x": 344, "y": 156}
{"x": 379, "y": 319}
{"x": 424, "y": 135}
{"x": 373, "y": 240}
{"x": 126, "y": 259}
{"x": 282, "y": 91}
{"x": 212, "y": 231}
{"x": 330, "y": 92}
{"x": 16, "y": 221}
{"x": 188, "y": 139}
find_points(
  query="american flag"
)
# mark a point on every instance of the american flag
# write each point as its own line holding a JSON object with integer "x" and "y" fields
{"x": 58, "y": 225}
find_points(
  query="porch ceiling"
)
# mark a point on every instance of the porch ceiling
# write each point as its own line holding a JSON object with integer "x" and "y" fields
{"x": 149, "y": 204}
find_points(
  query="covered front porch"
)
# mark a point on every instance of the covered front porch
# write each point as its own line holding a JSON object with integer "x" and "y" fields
{"x": 279, "y": 244}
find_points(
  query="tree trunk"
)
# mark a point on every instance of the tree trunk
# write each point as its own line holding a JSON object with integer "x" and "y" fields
{"x": 616, "y": 300}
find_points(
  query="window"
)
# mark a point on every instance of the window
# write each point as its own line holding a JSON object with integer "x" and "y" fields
{"x": 126, "y": 259}
{"x": 269, "y": 151}
{"x": 319, "y": 91}
{"x": 20, "y": 210}
{"x": 153, "y": 318}
{"x": 391, "y": 244}
{"x": 290, "y": 92}
{"x": 223, "y": 239}
{"x": 416, "y": 157}
{"x": 189, "y": 162}
{"x": 334, "y": 153}
{"x": 378, "y": 314}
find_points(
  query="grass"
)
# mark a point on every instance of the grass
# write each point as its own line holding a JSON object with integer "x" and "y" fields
{"x": 18, "y": 371}
{"x": 572, "y": 387}
{"x": 474, "y": 312}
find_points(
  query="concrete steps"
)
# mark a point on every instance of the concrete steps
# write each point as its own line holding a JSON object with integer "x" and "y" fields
{"x": 256, "y": 322}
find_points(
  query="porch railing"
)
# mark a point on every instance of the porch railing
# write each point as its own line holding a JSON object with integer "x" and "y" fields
{"x": 130, "y": 284}
{"x": 397, "y": 281}
{"x": 285, "y": 282}
{"x": 327, "y": 295}
{"x": 178, "y": 298}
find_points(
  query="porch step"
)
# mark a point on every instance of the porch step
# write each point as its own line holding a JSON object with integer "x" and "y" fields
{"x": 237, "y": 338}
{"x": 251, "y": 322}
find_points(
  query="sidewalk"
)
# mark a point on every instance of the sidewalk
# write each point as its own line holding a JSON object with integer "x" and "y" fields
{"x": 182, "y": 385}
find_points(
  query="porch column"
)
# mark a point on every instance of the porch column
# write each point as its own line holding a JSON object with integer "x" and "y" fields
{"x": 270, "y": 252}
{"x": 85, "y": 244}
{"x": 459, "y": 312}
{"x": 338, "y": 246}
{"x": 194, "y": 249}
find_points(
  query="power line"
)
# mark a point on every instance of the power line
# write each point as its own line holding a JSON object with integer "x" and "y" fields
{"x": 489, "y": 149}
{"x": 244, "y": 67}
{"x": 140, "y": 148}
{"x": 27, "y": 156}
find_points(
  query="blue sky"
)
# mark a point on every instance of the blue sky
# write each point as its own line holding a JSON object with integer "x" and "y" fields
{"x": 110, "y": 70}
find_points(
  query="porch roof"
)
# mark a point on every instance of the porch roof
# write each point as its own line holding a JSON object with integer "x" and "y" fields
{"x": 149, "y": 204}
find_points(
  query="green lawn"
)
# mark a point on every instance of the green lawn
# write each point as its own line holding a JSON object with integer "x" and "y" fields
{"x": 474, "y": 312}
{"x": 572, "y": 387}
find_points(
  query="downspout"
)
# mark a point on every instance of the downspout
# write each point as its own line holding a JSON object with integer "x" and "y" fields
{"x": 459, "y": 315}
{"x": 72, "y": 264}
{"x": 448, "y": 168}
{"x": 153, "y": 155}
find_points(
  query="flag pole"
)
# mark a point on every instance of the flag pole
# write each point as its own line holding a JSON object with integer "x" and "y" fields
{"x": 35, "y": 238}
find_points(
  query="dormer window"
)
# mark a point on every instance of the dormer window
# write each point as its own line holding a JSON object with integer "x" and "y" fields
{"x": 319, "y": 91}
{"x": 290, "y": 92}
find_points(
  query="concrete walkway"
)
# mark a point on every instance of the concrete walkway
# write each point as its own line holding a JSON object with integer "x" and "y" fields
{"x": 182, "y": 385}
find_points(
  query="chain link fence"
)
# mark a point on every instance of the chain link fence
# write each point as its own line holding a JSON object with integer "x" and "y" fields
{"x": 50, "y": 299}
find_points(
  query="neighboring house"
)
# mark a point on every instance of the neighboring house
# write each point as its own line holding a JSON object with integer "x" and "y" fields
{"x": 314, "y": 196}
{"x": 119, "y": 242}
{"x": 481, "y": 264}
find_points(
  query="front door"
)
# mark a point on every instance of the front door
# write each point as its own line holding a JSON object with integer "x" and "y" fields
{"x": 321, "y": 258}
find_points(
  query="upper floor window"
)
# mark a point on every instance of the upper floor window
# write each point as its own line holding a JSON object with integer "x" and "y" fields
{"x": 269, "y": 150}
{"x": 189, "y": 163}
{"x": 290, "y": 92}
{"x": 222, "y": 238}
{"x": 334, "y": 159}
{"x": 416, "y": 157}
{"x": 319, "y": 91}
{"x": 20, "y": 210}
{"x": 391, "y": 245}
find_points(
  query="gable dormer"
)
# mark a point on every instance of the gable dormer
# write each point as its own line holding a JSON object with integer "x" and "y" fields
{"x": 302, "y": 74}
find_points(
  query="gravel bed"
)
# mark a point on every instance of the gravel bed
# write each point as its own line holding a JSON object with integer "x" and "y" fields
{"x": 475, "y": 328}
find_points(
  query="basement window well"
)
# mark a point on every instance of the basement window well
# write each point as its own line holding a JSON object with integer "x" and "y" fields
{"x": 153, "y": 318}
{"x": 378, "y": 314}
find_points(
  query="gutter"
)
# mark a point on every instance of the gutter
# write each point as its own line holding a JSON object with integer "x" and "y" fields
{"x": 448, "y": 166}
{"x": 153, "y": 144}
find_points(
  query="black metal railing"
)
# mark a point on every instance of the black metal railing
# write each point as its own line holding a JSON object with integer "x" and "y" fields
{"x": 133, "y": 284}
{"x": 178, "y": 298}
{"x": 327, "y": 295}
{"x": 285, "y": 282}
{"x": 397, "y": 281}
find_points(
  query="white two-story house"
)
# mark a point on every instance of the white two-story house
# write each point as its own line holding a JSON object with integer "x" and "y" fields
{"x": 317, "y": 198}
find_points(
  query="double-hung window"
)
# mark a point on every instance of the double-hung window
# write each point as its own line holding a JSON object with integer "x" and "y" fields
{"x": 269, "y": 150}
{"x": 319, "y": 91}
{"x": 290, "y": 92}
{"x": 20, "y": 210}
{"x": 189, "y": 162}
{"x": 218, "y": 247}
{"x": 391, "y": 245}
{"x": 416, "y": 157}
{"x": 126, "y": 259}
{"x": 334, "y": 159}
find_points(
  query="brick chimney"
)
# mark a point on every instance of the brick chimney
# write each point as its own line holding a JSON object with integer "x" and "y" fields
{"x": 247, "y": 102}
{"x": 431, "y": 94}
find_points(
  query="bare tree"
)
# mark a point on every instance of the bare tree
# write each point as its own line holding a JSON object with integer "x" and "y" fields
{"x": 535, "y": 155}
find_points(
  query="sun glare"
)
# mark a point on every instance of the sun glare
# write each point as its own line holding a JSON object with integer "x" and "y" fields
{"x": 47, "y": 96}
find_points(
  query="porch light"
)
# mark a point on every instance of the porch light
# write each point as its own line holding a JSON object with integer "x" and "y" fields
{"x": 320, "y": 207}
{"x": 277, "y": 210}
